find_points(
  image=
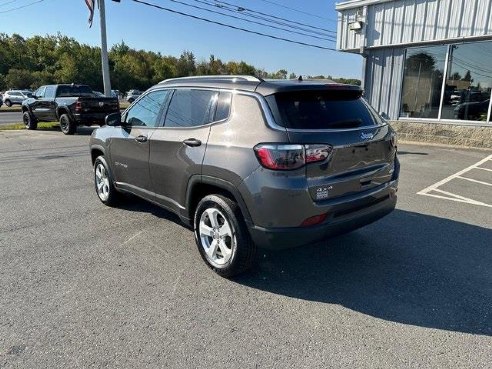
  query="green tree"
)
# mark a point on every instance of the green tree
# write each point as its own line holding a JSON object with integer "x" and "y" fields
{"x": 186, "y": 64}
{"x": 456, "y": 76}
{"x": 19, "y": 78}
{"x": 420, "y": 62}
{"x": 467, "y": 77}
{"x": 38, "y": 60}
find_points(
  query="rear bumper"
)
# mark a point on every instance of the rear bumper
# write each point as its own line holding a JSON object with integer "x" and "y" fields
{"x": 90, "y": 118}
{"x": 341, "y": 219}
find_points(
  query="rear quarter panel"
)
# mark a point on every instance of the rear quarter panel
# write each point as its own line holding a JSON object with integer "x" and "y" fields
{"x": 229, "y": 154}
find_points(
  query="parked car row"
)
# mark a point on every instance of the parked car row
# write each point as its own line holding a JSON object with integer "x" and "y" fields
{"x": 16, "y": 97}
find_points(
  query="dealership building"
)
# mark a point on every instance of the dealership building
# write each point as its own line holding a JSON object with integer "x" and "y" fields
{"x": 427, "y": 63}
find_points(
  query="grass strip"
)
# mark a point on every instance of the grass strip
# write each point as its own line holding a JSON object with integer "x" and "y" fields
{"x": 12, "y": 109}
{"x": 44, "y": 126}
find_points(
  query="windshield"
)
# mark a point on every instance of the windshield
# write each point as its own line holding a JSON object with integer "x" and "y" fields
{"x": 322, "y": 110}
{"x": 74, "y": 91}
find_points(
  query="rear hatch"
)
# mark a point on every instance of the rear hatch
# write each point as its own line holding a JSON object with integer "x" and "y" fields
{"x": 362, "y": 146}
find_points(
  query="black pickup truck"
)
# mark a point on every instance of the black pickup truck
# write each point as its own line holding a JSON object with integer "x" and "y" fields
{"x": 71, "y": 105}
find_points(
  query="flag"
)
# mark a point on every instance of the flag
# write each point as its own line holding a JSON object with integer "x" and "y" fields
{"x": 90, "y": 5}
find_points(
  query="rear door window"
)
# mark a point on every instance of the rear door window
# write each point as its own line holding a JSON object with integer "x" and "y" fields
{"x": 310, "y": 110}
{"x": 191, "y": 108}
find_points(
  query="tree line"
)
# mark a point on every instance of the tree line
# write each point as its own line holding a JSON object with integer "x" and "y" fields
{"x": 39, "y": 60}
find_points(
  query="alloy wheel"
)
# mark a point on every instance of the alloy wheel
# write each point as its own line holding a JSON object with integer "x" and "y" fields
{"x": 102, "y": 181}
{"x": 217, "y": 237}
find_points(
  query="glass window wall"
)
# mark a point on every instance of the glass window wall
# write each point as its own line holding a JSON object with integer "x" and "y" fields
{"x": 465, "y": 92}
{"x": 422, "y": 82}
{"x": 468, "y": 82}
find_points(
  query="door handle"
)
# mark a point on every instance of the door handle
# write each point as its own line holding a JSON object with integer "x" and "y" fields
{"x": 141, "y": 138}
{"x": 193, "y": 142}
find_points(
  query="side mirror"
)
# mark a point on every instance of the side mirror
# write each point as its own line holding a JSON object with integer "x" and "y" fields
{"x": 113, "y": 119}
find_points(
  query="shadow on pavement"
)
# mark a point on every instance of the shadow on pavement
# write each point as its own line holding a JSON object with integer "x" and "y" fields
{"x": 85, "y": 131}
{"x": 136, "y": 204}
{"x": 411, "y": 153}
{"x": 407, "y": 268}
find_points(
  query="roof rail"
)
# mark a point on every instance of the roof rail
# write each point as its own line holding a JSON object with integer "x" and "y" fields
{"x": 220, "y": 77}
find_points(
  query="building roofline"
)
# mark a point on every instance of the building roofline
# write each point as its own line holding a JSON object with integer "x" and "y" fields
{"x": 404, "y": 45}
{"x": 351, "y": 4}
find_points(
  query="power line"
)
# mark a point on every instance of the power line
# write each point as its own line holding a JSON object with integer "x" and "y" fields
{"x": 268, "y": 18}
{"x": 298, "y": 11}
{"x": 8, "y": 2}
{"x": 21, "y": 7}
{"x": 233, "y": 27}
{"x": 273, "y": 16}
{"x": 251, "y": 21}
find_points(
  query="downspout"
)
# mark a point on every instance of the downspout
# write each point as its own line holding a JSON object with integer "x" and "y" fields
{"x": 363, "y": 44}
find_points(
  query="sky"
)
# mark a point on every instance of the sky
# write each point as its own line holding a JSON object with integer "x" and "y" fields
{"x": 143, "y": 27}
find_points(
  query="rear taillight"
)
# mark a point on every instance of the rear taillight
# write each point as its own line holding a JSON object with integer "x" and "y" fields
{"x": 280, "y": 157}
{"x": 78, "y": 106}
{"x": 288, "y": 157}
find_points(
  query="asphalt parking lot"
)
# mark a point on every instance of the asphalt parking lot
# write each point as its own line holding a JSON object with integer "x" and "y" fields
{"x": 83, "y": 285}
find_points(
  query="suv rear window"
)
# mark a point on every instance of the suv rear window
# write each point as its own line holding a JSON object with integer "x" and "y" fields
{"x": 335, "y": 109}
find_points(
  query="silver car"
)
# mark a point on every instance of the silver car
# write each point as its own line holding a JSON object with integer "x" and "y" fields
{"x": 132, "y": 95}
{"x": 13, "y": 97}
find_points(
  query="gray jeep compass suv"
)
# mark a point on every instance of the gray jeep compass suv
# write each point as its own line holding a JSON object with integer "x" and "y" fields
{"x": 251, "y": 163}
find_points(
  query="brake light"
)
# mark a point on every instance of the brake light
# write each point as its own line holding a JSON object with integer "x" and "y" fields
{"x": 78, "y": 106}
{"x": 288, "y": 157}
{"x": 280, "y": 157}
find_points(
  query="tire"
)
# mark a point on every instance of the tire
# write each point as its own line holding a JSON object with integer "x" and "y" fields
{"x": 222, "y": 237}
{"x": 67, "y": 125}
{"x": 29, "y": 121}
{"x": 103, "y": 182}
{"x": 8, "y": 103}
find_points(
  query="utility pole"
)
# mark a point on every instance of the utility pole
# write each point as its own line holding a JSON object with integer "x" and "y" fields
{"x": 104, "y": 50}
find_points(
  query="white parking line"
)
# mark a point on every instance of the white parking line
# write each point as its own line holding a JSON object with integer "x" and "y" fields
{"x": 459, "y": 175}
{"x": 474, "y": 180}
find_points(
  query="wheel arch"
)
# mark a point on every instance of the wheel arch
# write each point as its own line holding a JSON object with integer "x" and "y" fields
{"x": 63, "y": 110}
{"x": 201, "y": 186}
{"x": 96, "y": 151}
